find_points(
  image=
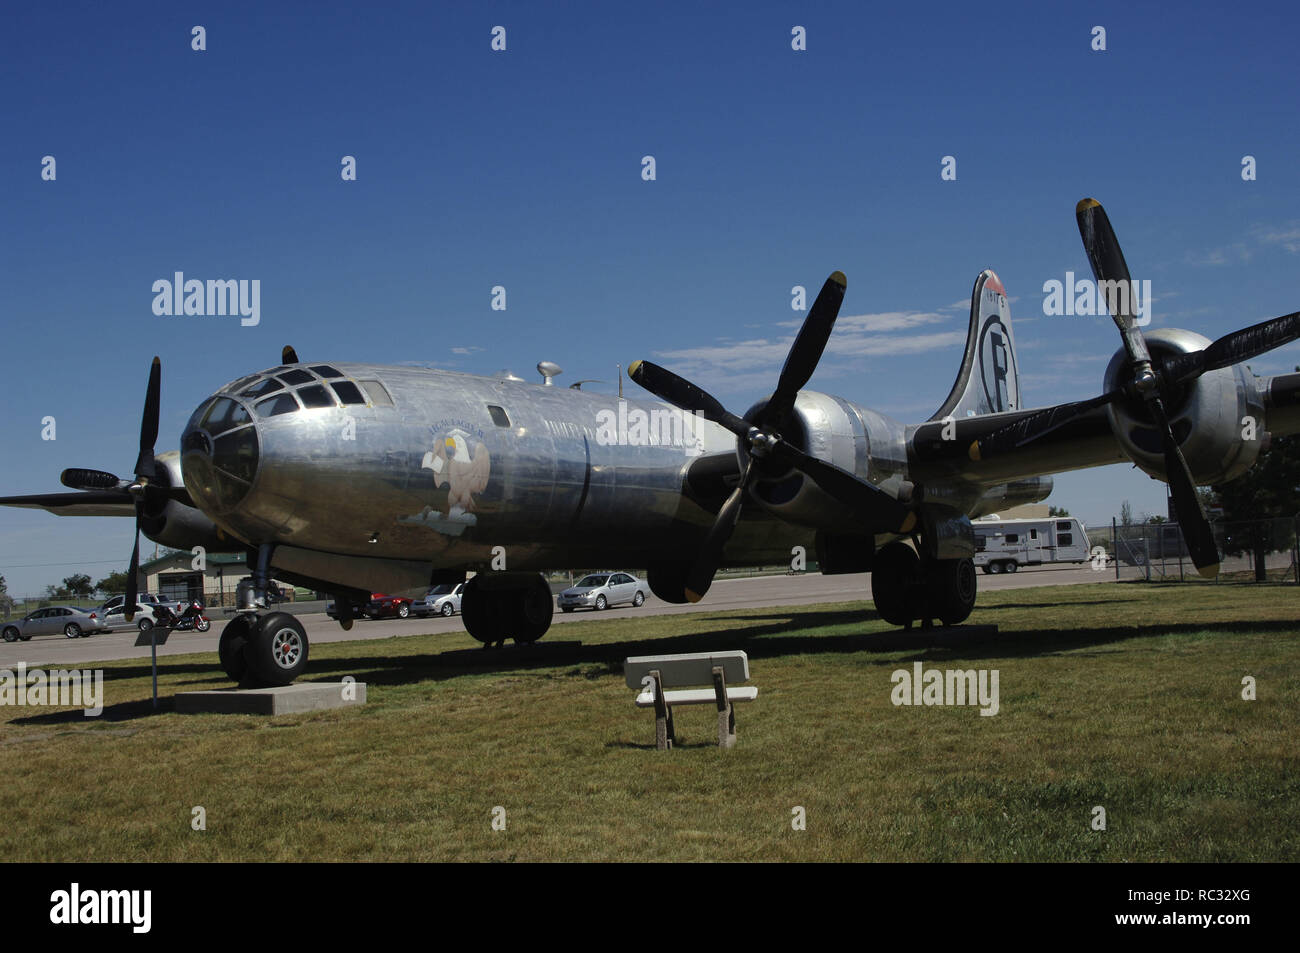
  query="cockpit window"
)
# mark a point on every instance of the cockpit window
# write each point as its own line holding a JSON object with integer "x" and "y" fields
{"x": 266, "y": 386}
{"x": 378, "y": 393}
{"x": 324, "y": 370}
{"x": 223, "y": 415}
{"x": 315, "y": 396}
{"x": 279, "y": 404}
{"x": 296, "y": 376}
{"x": 348, "y": 392}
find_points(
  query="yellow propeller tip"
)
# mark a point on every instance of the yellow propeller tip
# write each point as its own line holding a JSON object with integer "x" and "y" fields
{"x": 975, "y": 450}
{"x": 839, "y": 279}
{"x": 908, "y": 523}
{"x": 1085, "y": 204}
{"x": 1209, "y": 572}
{"x": 693, "y": 597}
{"x": 633, "y": 368}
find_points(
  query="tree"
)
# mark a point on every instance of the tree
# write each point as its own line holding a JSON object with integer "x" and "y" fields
{"x": 1125, "y": 514}
{"x": 1057, "y": 511}
{"x": 111, "y": 584}
{"x": 1260, "y": 505}
{"x": 6, "y": 600}
{"x": 78, "y": 585}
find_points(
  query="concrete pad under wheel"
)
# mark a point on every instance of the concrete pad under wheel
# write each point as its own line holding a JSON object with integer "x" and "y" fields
{"x": 284, "y": 700}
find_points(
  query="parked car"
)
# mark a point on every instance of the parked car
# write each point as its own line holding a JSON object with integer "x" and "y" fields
{"x": 143, "y": 598}
{"x": 387, "y": 607}
{"x": 72, "y": 622}
{"x": 600, "y": 590}
{"x": 440, "y": 600}
{"x": 147, "y": 615}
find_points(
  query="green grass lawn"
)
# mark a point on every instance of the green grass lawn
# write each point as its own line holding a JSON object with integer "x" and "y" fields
{"x": 1125, "y": 696}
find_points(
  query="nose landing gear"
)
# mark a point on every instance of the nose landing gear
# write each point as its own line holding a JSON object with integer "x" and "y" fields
{"x": 259, "y": 650}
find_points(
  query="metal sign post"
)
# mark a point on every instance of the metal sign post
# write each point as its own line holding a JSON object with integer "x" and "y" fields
{"x": 154, "y": 642}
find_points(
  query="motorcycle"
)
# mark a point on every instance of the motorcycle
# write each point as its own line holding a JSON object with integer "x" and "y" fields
{"x": 192, "y": 618}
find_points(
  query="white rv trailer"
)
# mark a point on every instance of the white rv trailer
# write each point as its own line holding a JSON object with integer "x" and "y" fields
{"x": 1006, "y": 545}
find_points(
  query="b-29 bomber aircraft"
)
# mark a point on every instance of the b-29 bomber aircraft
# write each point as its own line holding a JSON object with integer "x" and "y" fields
{"x": 353, "y": 478}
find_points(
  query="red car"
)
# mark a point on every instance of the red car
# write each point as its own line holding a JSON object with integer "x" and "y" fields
{"x": 387, "y": 607}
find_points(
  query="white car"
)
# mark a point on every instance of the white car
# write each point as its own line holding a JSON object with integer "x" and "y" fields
{"x": 145, "y": 618}
{"x": 440, "y": 600}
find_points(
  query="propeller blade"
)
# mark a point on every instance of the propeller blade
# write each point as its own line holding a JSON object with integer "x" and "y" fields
{"x": 809, "y": 344}
{"x": 1028, "y": 429}
{"x": 700, "y": 576}
{"x": 1187, "y": 506}
{"x": 145, "y": 468}
{"x": 77, "y": 478}
{"x": 288, "y": 355}
{"x": 128, "y": 603}
{"x": 885, "y": 512}
{"x": 1233, "y": 348}
{"x": 1108, "y": 265}
{"x": 680, "y": 392}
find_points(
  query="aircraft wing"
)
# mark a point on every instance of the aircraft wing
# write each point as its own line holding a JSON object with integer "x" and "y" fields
{"x": 77, "y": 503}
{"x": 1076, "y": 441}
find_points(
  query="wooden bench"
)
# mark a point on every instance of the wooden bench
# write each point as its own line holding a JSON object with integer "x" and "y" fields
{"x": 668, "y": 680}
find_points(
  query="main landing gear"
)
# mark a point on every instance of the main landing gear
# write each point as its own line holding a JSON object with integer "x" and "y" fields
{"x": 907, "y": 588}
{"x": 507, "y": 605}
{"x": 262, "y": 650}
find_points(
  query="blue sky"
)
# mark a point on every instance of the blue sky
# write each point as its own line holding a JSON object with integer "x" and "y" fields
{"x": 523, "y": 169}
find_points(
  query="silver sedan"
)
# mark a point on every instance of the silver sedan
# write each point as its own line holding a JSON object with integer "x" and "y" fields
{"x": 71, "y": 622}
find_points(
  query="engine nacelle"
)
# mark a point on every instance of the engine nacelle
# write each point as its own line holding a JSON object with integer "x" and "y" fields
{"x": 843, "y": 434}
{"x": 1206, "y": 416}
{"x": 179, "y": 526}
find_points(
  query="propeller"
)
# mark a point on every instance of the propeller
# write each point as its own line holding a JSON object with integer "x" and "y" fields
{"x": 768, "y": 453}
{"x": 146, "y": 471}
{"x": 1148, "y": 382}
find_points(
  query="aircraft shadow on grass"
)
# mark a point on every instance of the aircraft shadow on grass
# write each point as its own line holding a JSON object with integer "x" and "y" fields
{"x": 767, "y": 636}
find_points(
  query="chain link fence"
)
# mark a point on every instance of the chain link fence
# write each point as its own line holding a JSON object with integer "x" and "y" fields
{"x": 1250, "y": 551}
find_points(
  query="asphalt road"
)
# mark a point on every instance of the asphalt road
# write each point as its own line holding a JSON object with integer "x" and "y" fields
{"x": 748, "y": 593}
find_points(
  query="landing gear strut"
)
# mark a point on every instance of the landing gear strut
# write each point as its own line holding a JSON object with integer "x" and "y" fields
{"x": 500, "y": 606}
{"x": 262, "y": 650}
{"x": 906, "y": 588}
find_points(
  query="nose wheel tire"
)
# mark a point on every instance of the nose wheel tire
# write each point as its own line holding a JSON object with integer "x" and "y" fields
{"x": 276, "y": 651}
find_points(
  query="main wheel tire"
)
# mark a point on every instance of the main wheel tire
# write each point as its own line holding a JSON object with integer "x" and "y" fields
{"x": 951, "y": 586}
{"x": 403, "y": 611}
{"x": 277, "y": 649}
{"x": 601, "y": 603}
{"x": 447, "y": 610}
{"x": 72, "y": 630}
{"x": 638, "y": 600}
{"x": 230, "y": 650}
{"x": 893, "y": 576}
{"x": 11, "y": 634}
